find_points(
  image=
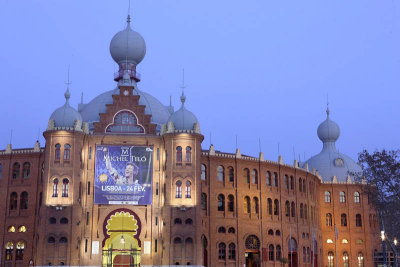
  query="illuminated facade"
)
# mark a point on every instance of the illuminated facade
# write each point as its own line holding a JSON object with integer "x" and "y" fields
{"x": 205, "y": 207}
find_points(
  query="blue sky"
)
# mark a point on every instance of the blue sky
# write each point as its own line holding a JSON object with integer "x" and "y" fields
{"x": 256, "y": 69}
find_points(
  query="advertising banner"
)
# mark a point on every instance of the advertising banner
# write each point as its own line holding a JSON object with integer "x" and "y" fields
{"x": 123, "y": 175}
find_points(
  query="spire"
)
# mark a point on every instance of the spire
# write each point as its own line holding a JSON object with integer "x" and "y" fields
{"x": 183, "y": 86}
{"x": 183, "y": 98}
{"x": 67, "y": 94}
{"x": 327, "y": 106}
{"x": 128, "y": 19}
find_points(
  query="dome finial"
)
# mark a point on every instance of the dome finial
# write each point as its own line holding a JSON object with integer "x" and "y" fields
{"x": 183, "y": 97}
{"x": 67, "y": 94}
{"x": 327, "y": 106}
{"x": 128, "y": 19}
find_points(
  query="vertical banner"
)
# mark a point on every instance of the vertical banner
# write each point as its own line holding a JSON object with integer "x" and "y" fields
{"x": 123, "y": 175}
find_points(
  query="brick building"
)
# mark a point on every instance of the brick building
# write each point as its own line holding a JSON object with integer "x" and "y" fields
{"x": 123, "y": 181}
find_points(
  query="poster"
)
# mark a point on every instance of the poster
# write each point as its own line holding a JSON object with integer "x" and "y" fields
{"x": 123, "y": 175}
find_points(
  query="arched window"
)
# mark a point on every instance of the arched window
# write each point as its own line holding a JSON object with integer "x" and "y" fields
{"x": 276, "y": 207}
{"x": 254, "y": 176}
{"x": 26, "y": 170}
{"x": 188, "y": 191}
{"x": 178, "y": 189}
{"x": 246, "y": 204}
{"x": 343, "y": 220}
{"x": 63, "y": 240}
{"x": 231, "y": 174}
{"x": 271, "y": 252}
{"x": 305, "y": 211}
{"x": 293, "y": 209}
{"x": 221, "y": 173}
{"x": 177, "y": 221}
{"x": 231, "y": 230}
{"x": 328, "y": 219}
{"x": 65, "y": 187}
{"x": 330, "y": 259}
{"x": 221, "y": 230}
{"x": 51, "y": 240}
{"x": 304, "y": 254}
{"x": 179, "y": 154}
{"x": 270, "y": 232}
{"x": 360, "y": 259}
{"x": 15, "y": 170}
{"x": 358, "y": 220}
{"x": 189, "y": 221}
{"x": 177, "y": 240}
{"x": 13, "y": 201}
{"x": 327, "y": 197}
{"x": 301, "y": 210}
{"x": 286, "y": 182}
{"x": 19, "y": 253}
{"x": 188, "y": 154}
{"x": 203, "y": 201}
{"x": 11, "y": 229}
{"x": 232, "y": 251}
{"x": 308, "y": 254}
{"x": 268, "y": 178}
{"x": 125, "y": 122}
{"x": 203, "y": 172}
{"x": 221, "y": 202}
{"x": 291, "y": 183}
{"x": 269, "y": 206}
{"x": 287, "y": 209}
{"x": 64, "y": 220}
{"x": 277, "y": 233}
{"x": 57, "y": 152}
{"x": 356, "y": 197}
{"x": 255, "y": 205}
{"x": 231, "y": 203}
{"x": 246, "y": 175}
{"x": 345, "y": 259}
{"x": 23, "y": 204}
{"x": 221, "y": 251}
{"x": 52, "y": 220}
{"x": 1, "y": 171}
{"x": 276, "y": 183}
{"x": 67, "y": 152}
{"x": 300, "y": 185}
{"x": 9, "y": 251}
{"x": 342, "y": 197}
{"x": 252, "y": 243}
{"x": 278, "y": 252}
{"x": 55, "y": 187}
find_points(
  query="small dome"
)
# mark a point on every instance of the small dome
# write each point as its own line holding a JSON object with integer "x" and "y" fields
{"x": 183, "y": 119}
{"x": 65, "y": 116}
{"x": 328, "y": 131}
{"x": 128, "y": 45}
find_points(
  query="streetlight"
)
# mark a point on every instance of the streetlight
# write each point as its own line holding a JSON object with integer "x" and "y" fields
{"x": 395, "y": 242}
{"x": 383, "y": 235}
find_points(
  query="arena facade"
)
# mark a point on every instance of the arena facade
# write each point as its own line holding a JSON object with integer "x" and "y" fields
{"x": 123, "y": 181}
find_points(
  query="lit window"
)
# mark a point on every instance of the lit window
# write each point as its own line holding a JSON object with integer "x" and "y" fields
{"x": 188, "y": 154}
{"x": 65, "y": 187}
{"x": 327, "y": 197}
{"x": 9, "y": 251}
{"x": 360, "y": 259}
{"x": 330, "y": 259}
{"x": 188, "y": 192}
{"x": 22, "y": 229}
{"x": 57, "y": 152}
{"x": 329, "y": 241}
{"x": 55, "y": 187}
{"x": 360, "y": 241}
{"x": 356, "y": 197}
{"x": 19, "y": 255}
{"x": 345, "y": 259}
{"x": 345, "y": 241}
{"x": 11, "y": 229}
{"x": 67, "y": 152}
{"x": 342, "y": 197}
{"x": 178, "y": 189}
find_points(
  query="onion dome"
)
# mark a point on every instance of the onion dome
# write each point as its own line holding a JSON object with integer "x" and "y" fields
{"x": 65, "y": 116}
{"x": 183, "y": 119}
{"x": 329, "y": 163}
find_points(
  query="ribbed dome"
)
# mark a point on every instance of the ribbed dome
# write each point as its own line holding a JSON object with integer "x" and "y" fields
{"x": 65, "y": 116}
{"x": 183, "y": 119}
{"x": 128, "y": 45}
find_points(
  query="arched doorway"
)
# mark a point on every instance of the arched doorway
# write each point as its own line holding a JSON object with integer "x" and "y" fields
{"x": 121, "y": 246}
{"x": 292, "y": 254}
{"x": 205, "y": 253}
{"x": 252, "y": 253}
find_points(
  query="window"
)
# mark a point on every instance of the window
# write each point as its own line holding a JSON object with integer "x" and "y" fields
{"x": 291, "y": 183}
{"x": 270, "y": 232}
{"x": 24, "y": 201}
{"x": 356, "y": 197}
{"x": 15, "y": 170}
{"x": 271, "y": 253}
{"x": 301, "y": 210}
{"x": 26, "y": 170}
{"x": 177, "y": 221}
{"x": 278, "y": 252}
{"x": 328, "y": 219}
{"x": 231, "y": 203}
{"x": 275, "y": 179}
{"x": 55, "y": 187}
{"x": 203, "y": 172}
{"x": 189, "y": 221}
{"x": 221, "y": 251}
{"x": 57, "y": 152}
{"x": 231, "y": 230}
{"x": 178, "y": 189}
{"x": 276, "y": 207}
{"x": 308, "y": 254}
{"x": 177, "y": 240}
{"x": 65, "y": 187}
{"x": 329, "y": 241}
{"x": 188, "y": 193}
{"x": 345, "y": 241}
{"x": 304, "y": 187}
{"x": 360, "y": 241}
{"x": 232, "y": 251}
{"x": 330, "y": 259}
{"x": 293, "y": 210}
{"x": 287, "y": 209}
{"x": 358, "y": 220}
{"x": 246, "y": 175}
{"x": 277, "y": 233}
{"x": 52, "y": 220}
{"x": 343, "y": 220}
{"x": 327, "y": 197}
{"x": 188, "y": 154}
{"x": 246, "y": 204}
{"x": 67, "y": 152}
{"x": 254, "y": 176}
{"x": 342, "y": 197}
{"x": 269, "y": 206}
{"x": 88, "y": 188}
{"x": 252, "y": 243}
{"x": 203, "y": 201}
{"x": 179, "y": 154}
{"x": 255, "y": 205}
{"x": 345, "y": 259}
{"x": 11, "y": 229}
{"x": 268, "y": 178}
{"x": 304, "y": 255}
{"x": 9, "y": 251}
{"x": 125, "y": 122}
{"x": 64, "y": 220}
{"x": 360, "y": 259}
{"x": 63, "y": 240}
{"x": 51, "y": 240}
{"x": 221, "y": 230}
{"x": 221, "y": 173}
{"x": 286, "y": 182}
{"x": 300, "y": 185}
{"x": 1, "y": 171}
{"x": 231, "y": 174}
{"x": 221, "y": 202}
{"x": 13, "y": 201}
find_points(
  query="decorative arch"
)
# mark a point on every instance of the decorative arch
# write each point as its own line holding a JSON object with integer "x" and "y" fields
{"x": 252, "y": 243}
{"x": 125, "y": 121}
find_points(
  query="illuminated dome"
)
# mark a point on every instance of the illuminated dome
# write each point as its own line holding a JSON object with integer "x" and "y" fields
{"x": 65, "y": 116}
{"x": 183, "y": 119}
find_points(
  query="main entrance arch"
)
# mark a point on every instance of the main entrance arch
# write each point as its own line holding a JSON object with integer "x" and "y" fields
{"x": 252, "y": 253}
{"x": 121, "y": 245}
{"x": 292, "y": 254}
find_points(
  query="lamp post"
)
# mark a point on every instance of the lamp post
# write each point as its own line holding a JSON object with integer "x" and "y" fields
{"x": 394, "y": 249}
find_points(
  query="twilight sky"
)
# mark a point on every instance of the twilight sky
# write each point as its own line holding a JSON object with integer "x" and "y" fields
{"x": 256, "y": 69}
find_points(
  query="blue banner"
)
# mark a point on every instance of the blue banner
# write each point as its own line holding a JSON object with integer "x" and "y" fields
{"x": 123, "y": 175}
